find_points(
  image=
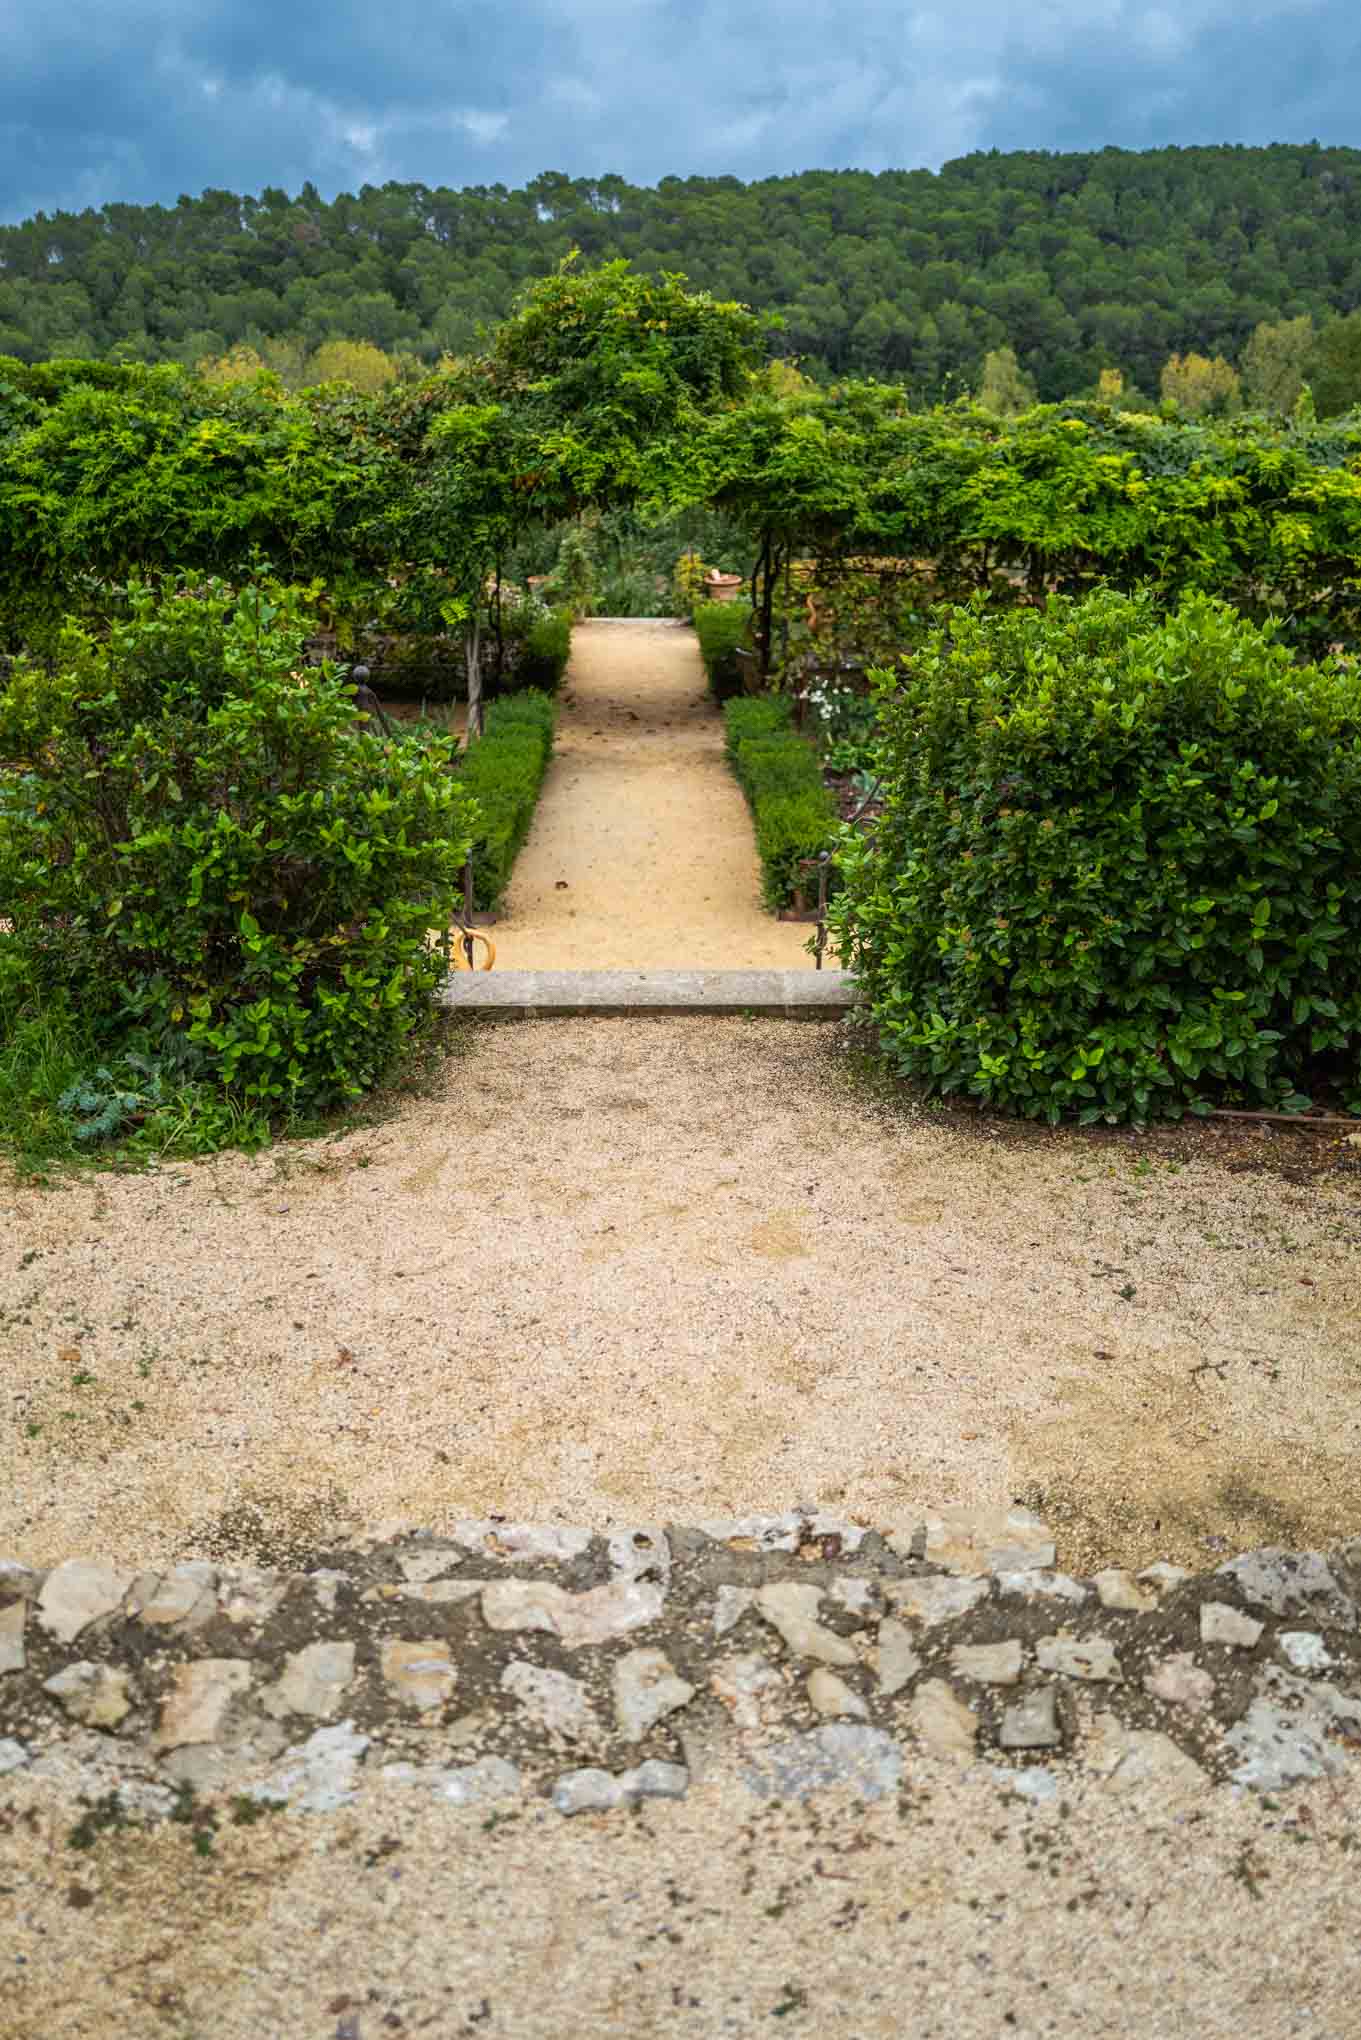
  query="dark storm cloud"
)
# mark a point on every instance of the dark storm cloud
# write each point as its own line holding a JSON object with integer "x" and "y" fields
{"x": 1146, "y": 76}
{"x": 144, "y": 99}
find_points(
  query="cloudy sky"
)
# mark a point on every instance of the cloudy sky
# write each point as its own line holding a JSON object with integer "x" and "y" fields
{"x": 145, "y": 99}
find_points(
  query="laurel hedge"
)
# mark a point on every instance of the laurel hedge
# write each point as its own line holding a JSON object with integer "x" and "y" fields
{"x": 1118, "y": 870}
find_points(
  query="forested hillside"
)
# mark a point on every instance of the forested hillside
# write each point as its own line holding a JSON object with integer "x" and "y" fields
{"x": 1080, "y": 263}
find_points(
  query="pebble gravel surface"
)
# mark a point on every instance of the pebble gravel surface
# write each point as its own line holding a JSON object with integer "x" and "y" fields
{"x": 525, "y": 1780}
{"x": 649, "y": 1270}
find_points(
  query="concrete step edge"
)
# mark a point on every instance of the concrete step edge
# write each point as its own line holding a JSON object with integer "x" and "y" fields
{"x": 542, "y": 993}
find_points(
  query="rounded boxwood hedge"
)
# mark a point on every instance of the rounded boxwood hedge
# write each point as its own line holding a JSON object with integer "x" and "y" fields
{"x": 1118, "y": 871}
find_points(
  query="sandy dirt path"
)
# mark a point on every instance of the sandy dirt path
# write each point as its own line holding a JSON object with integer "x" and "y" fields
{"x": 661, "y": 1270}
{"x": 641, "y": 852}
{"x": 624, "y": 1270}
{"x": 957, "y": 1912}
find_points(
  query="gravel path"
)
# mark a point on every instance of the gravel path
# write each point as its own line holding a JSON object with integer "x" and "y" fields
{"x": 641, "y": 851}
{"x": 650, "y": 1270}
{"x": 953, "y": 1913}
{"x": 623, "y": 1270}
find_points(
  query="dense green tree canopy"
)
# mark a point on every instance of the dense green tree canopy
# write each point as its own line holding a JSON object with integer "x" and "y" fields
{"x": 608, "y": 374}
{"x": 1079, "y": 262}
{"x": 609, "y": 387}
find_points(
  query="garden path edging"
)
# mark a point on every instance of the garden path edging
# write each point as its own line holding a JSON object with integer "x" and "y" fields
{"x": 789, "y": 1653}
{"x": 546, "y": 994}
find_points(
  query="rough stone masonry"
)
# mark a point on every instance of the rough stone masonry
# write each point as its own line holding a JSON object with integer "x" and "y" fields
{"x": 797, "y": 1652}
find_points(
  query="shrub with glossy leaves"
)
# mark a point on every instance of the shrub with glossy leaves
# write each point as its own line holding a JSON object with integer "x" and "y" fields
{"x": 1118, "y": 873}
{"x": 209, "y": 844}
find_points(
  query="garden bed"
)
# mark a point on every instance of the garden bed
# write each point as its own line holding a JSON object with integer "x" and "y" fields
{"x": 420, "y": 666}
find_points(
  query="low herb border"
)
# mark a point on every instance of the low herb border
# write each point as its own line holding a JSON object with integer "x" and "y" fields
{"x": 504, "y": 771}
{"x": 793, "y": 811}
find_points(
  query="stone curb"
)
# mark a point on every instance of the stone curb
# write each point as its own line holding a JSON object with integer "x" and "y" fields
{"x": 598, "y": 1669}
{"x": 546, "y": 994}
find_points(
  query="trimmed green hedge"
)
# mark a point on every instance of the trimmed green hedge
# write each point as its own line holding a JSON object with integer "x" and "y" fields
{"x": 547, "y": 650}
{"x": 48, "y": 381}
{"x": 504, "y": 772}
{"x": 721, "y": 627}
{"x": 794, "y": 813}
{"x": 1118, "y": 869}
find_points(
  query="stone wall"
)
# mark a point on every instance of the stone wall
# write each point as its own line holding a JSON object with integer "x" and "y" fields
{"x": 598, "y": 1669}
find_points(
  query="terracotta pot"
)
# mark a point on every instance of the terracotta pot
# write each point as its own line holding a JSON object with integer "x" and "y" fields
{"x": 723, "y": 587}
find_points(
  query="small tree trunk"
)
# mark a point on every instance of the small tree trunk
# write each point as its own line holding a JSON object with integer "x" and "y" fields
{"x": 472, "y": 650}
{"x": 765, "y": 570}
